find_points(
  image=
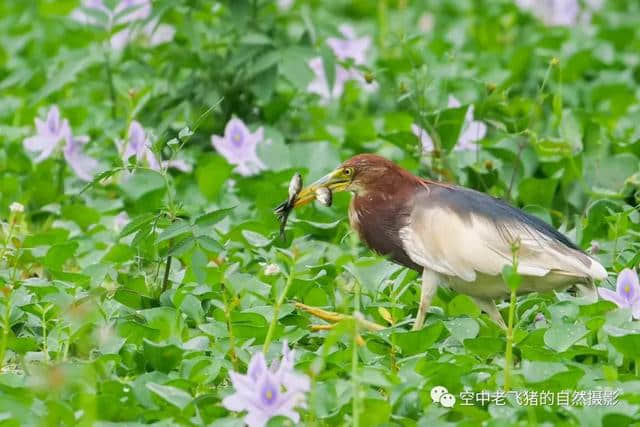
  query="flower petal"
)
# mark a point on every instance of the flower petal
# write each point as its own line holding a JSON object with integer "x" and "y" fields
{"x": 627, "y": 285}
{"x": 609, "y": 295}
{"x": 453, "y": 102}
{"x": 235, "y": 402}
{"x": 424, "y": 137}
{"x": 635, "y": 310}
{"x": 475, "y": 131}
{"x": 256, "y": 419}
{"x": 257, "y": 367}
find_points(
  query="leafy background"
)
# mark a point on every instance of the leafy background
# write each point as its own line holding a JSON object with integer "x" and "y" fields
{"x": 93, "y": 333}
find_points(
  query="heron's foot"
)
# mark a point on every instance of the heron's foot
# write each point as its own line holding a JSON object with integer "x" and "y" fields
{"x": 427, "y": 291}
{"x": 333, "y": 317}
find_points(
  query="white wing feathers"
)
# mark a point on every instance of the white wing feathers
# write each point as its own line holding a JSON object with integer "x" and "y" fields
{"x": 438, "y": 239}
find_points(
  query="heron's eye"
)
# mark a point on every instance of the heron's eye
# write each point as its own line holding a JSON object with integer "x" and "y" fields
{"x": 348, "y": 172}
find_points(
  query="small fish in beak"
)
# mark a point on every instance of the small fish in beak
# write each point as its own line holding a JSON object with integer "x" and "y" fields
{"x": 324, "y": 196}
{"x": 284, "y": 208}
{"x": 294, "y": 187}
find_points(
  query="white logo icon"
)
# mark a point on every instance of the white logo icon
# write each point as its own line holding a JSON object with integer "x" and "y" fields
{"x": 442, "y": 396}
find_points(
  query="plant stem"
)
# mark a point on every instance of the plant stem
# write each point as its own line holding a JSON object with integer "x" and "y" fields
{"x": 45, "y": 347}
{"x": 637, "y": 366}
{"x": 509, "y": 350}
{"x": 5, "y": 327}
{"x": 227, "y": 317}
{"x": 112, "y": 89}
{"x": 276, "y": 309}
{"x": 61, "y": 168}
{"x": 355, "y": 383}
{"x": 167, "y": 269}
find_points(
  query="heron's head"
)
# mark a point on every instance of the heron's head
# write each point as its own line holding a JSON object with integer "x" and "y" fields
{"x": 359, "y": 174}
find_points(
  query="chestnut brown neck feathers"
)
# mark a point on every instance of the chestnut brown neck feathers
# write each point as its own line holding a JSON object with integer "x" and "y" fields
{"x": 382, "y": 204}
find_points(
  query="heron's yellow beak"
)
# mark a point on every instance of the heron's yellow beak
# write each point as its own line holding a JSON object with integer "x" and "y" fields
{"x": 334, "y": 181}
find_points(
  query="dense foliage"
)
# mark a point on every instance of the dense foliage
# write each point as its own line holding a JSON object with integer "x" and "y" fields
{"x": 145, "y": 145}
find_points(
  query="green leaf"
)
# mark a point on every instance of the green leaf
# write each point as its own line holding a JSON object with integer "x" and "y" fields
{"x": 57, "y": 255}
{"x": 462, "y": 305}
{"x": 175, "y": 396}
{"x": 560, "y": 337}
{"x": 415, "y": 342}
{"x": 625, "y": 341}
{"x": 255, "y": 239}
{"x": 210, "y": 244}
{"x": 449, "y": 126}
{"x": 211, "y": 174}
{"x": 511, "y": 277}
{"x": 485, "y": 347}
{"x": 82, "y": 215}
{"x": 176, "y": 229}
{"x": 535, "y": 191}
{"x": 210, "y": 218}
{"x": 462, "y": 328}
{"x": 133, "y": 299}
{"x": 161, "y": 357}
{"x": 137, "y": 223}
{"x": 182, "y": 246}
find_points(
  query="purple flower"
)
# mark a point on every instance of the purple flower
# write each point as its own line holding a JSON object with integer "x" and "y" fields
{"x": 139, "y": 146}
{"x": 132, "y": 10}
{"x": 49, "y": 137}
{"x": 152, "y": 33}
{"x": 126, "y": 12}
{"x": 83, "y": 166}
{"x": 120, "y": 220}
{"x": 553, "y": 12}
{"x": 49, "y": 134}
{"x": 238, "y": 146}
{"x": 351, "y": 47}
{"x": 265, "y": 393}
{"x": 472, "y": 130}
{"x": 423, "y": 136}
{"x": 320, "y": 85}
{"x": 96, "y": 6}
{"x": 627, "y": 294}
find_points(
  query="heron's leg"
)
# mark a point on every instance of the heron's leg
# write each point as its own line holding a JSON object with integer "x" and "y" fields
{"x": 427, "y": 291}
{"x": 489, "y": 306}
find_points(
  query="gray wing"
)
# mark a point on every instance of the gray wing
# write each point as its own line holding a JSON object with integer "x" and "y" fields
{"x": 460, "y": 232}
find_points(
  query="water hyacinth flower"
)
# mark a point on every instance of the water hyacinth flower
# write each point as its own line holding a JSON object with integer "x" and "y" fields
{"x": 125, "y": 12}
{"x": 238, "y": 147}
{"x": 553, "y": 12}
{"x": 152, "y": 33}
{"x": 423, "y": 136}
{"x": 472, "y": 130}
{"x": 138, "y": 145}
{"x": 120, "y": 220}
{"x": 268, "y": 392}
{"x": 49, "y": 133}
{"x": 320, "y": 84}
{"x": 350, "y": 47}
{"x": 83, "y": 166}
{"x": 627, "y": 294}
{"x": 96, "y": 7}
